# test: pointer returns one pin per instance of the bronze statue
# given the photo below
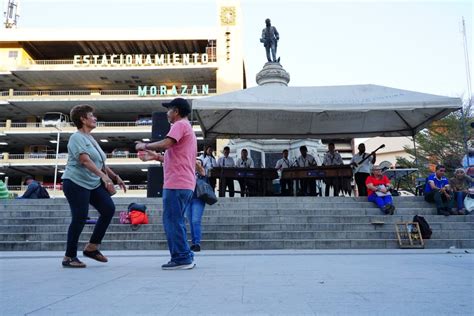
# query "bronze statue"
(270, 39)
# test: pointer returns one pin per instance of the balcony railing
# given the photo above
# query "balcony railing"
(62, 156)
(41, 93)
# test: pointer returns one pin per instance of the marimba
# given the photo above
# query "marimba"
(259, 179)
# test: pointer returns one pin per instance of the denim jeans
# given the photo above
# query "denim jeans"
(381, 201)
(175, 202)
(440, 200)
(79, 199)
(194, 215)
(459, 197)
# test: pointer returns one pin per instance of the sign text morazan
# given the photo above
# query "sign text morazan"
(144, 91)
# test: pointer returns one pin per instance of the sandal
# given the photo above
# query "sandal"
(95, 254)
(73, 263)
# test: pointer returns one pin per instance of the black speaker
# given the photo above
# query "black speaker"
(160, 127)
(155, 182)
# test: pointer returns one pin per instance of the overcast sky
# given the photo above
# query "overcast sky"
(414, 45)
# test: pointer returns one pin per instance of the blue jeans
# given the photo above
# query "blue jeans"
(175, 202)
(459, 197)
(79, 199)
(194, 215)
(381, 201)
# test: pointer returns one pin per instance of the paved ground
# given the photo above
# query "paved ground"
(355, 282)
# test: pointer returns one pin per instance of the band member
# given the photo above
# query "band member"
(332, 158)
(208, 162)
(246, 186)
(226, 162)
(362, 166)
(306, 160)
(286, 185)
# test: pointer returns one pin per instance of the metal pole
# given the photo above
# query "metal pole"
(56, 164)
(468, 81)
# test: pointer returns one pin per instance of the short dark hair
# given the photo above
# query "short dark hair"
(285, 150)
(303, 148)
(440, 167)
(80, 111)
(227, 148)
(331, 144)
(244, 150)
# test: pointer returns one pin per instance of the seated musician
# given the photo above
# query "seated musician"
(306, 160)
(332, 158)
(246, 186)
(226, 162)
(286, 185)
(378, 186)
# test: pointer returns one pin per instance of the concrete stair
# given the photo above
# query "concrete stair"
(241, 223)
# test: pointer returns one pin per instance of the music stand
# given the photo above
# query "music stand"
(399, 174)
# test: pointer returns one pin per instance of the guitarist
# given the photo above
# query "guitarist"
(362, 165)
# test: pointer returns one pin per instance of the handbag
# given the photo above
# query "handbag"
(205, 192)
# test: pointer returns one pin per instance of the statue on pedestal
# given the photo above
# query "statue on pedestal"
(270, 39)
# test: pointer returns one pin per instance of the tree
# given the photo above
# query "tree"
(439, 143)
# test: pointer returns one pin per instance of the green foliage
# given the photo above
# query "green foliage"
(440, 143)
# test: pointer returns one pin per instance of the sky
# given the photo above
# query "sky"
(414, 45)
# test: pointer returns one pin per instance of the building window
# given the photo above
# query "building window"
(13, 54)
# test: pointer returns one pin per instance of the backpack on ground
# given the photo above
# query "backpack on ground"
(424, 226)
(42, 193)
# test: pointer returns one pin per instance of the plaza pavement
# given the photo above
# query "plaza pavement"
(267, 282)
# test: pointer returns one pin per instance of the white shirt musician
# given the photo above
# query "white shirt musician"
(226, 161)
(306, 160)
(285, 185)
(209, 162)
(245, 161)
(226, 183)
(332, 158)
(362, 168)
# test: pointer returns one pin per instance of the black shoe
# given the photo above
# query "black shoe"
(171, 265)
(443, 211)
(392, 209)
(196, 248)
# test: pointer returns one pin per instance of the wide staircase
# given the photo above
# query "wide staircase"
(241, 223)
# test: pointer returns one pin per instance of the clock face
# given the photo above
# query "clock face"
(228, 16)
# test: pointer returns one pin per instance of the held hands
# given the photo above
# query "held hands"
(147, 155)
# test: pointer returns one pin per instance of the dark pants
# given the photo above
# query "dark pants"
(332, 183)
(212, 183)
(441, 201)
(306, 184)
(271, 47)
(224, 184)
(286, 187)
(79, 199)
(360, 178)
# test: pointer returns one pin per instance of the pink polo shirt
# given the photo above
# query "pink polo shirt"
(180, 159)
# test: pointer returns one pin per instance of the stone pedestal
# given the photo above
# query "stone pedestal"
(273, 74)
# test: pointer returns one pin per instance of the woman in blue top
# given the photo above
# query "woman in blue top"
(87, 180)
(194, 212)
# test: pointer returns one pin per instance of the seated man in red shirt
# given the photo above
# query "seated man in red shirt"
(378, 192)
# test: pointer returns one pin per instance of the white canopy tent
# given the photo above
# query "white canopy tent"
(283, 112)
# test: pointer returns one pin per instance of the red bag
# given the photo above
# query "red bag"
(138, 218)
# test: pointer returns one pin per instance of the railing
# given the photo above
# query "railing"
(59, 187)
(41, 93)
(118, 155)
(70, 124)
(4, 93)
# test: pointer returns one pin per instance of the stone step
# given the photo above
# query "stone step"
(241, 244)
(389, 227)
(260, 219)
(223, 235)
(231, 212)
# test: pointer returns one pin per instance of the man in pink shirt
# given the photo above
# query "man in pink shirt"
(179, 179)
